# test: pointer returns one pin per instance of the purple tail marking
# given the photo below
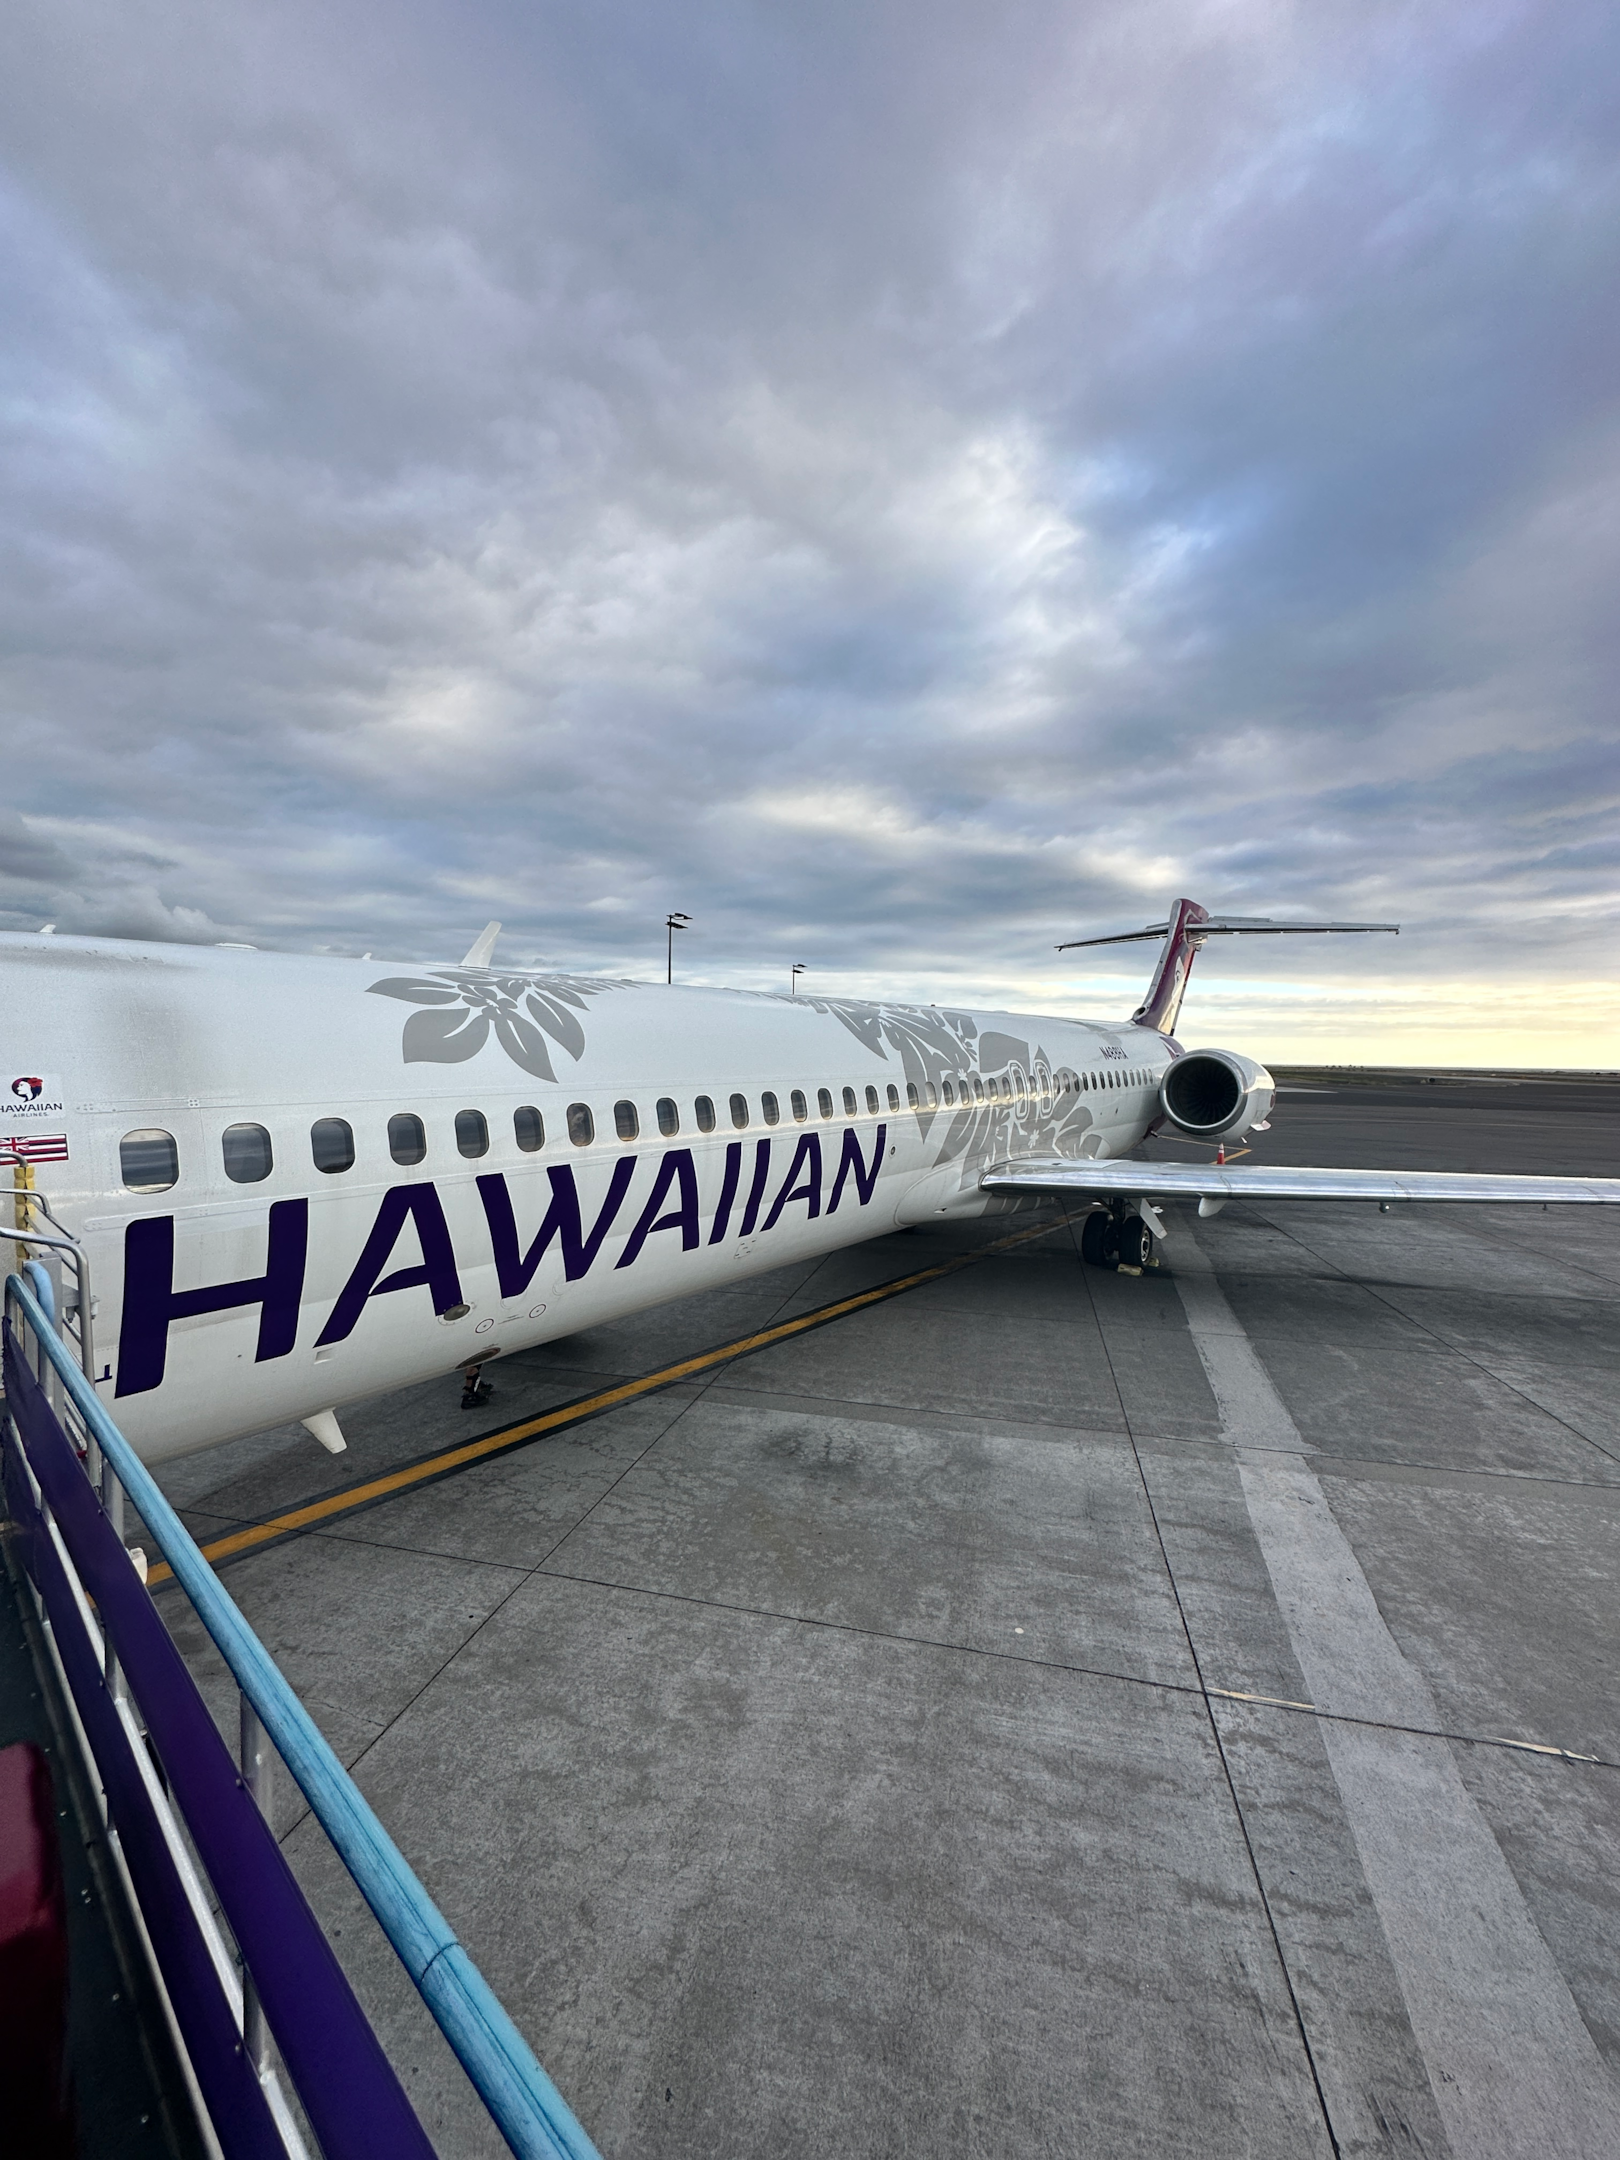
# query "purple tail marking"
(1159, 1009)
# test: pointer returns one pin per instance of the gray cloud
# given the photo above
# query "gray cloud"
(905, 485)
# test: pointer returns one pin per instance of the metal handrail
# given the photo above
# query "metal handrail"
(526, 2106)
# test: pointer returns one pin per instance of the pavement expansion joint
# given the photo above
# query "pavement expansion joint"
(1421, 1732)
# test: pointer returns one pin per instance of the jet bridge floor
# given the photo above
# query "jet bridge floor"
(909, 1737)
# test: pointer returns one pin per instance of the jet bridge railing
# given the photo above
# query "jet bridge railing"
(189, 1820)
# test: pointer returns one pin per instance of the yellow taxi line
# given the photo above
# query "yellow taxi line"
(575, 1413)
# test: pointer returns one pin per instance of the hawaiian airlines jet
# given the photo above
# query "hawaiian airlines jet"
(295, 1182)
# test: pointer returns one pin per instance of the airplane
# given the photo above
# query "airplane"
(299, 1181)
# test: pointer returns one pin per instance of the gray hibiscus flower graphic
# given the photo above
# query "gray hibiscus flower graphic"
(464, 1005)
(937, 1043)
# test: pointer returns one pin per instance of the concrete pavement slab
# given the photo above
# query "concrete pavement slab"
(514, 1509)
(1033, 1544)
(1508, 1601)
(1400, 1406)
(1558, 1825)
(359, 1631)
(1349, 1994)
(759, 1888)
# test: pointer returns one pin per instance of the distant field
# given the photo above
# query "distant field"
(1435, 1075)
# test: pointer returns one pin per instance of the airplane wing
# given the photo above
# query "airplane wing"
(1155, 1181)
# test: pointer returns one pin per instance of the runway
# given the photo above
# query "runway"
(1031, 1711)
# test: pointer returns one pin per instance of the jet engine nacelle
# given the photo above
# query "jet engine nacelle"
(1216, 1094)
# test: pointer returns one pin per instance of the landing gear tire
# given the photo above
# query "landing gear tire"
(1135, 1243)
(1099, 1240)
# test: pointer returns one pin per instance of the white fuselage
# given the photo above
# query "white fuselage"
(303, 1181)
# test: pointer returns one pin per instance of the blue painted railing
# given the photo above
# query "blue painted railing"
(531, 2114)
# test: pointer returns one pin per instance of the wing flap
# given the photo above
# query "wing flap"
(1273, 1181)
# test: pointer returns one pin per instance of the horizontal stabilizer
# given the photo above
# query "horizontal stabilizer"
(1271, 1181)
(1233, 926)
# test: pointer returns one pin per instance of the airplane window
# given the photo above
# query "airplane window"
(529, 1129)
(933, 1096)
(581, 1125)
(626, 1120)
(849, 1102)
(705, 1113)
(472, 1132)
(149, 1160)
(872, 1100)
(669, 1118)
(911, 1096)
(801, 1109)
(1023, 1093)
(824, 1101)
(978, 1091)
(894, 1098)
(770, 1109)
(739, 1111)
(331, 1143)
(247, 1153)
(407, 1141)
(950, 1096)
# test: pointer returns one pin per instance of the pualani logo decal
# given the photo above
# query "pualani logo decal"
(937, 1043)
(152, 1304)
(464, 1005)
(27, 1087)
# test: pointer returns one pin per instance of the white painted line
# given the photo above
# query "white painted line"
(1252, 1412)
(1511, 2064)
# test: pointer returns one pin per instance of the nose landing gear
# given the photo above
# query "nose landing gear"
(1117, 1237)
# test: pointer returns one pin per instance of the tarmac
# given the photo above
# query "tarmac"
(1041, 1712)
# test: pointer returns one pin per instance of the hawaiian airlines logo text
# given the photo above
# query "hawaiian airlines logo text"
(753, 1196)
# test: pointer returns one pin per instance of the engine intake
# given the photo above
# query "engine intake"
(1216, 1094)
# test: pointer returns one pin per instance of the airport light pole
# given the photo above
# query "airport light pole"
(793, 978)
(672, 923)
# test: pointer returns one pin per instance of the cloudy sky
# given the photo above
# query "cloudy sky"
(905, 483)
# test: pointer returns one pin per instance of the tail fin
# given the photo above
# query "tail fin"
(1184, 935)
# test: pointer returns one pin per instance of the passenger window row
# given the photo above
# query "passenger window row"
(149, 1160)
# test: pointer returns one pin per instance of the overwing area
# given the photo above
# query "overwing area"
(1265, 1181)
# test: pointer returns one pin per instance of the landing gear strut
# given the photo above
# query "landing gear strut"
(1117, 1237)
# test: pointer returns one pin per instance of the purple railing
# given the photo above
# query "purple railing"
(344, 2081)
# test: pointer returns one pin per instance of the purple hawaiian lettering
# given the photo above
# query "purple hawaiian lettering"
(728, 1192)
(514, 1267)
(807, 1154)
(677, 1164)
(436, 1273)
(756, 1191)
(850, 1161)
(151, 1301)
